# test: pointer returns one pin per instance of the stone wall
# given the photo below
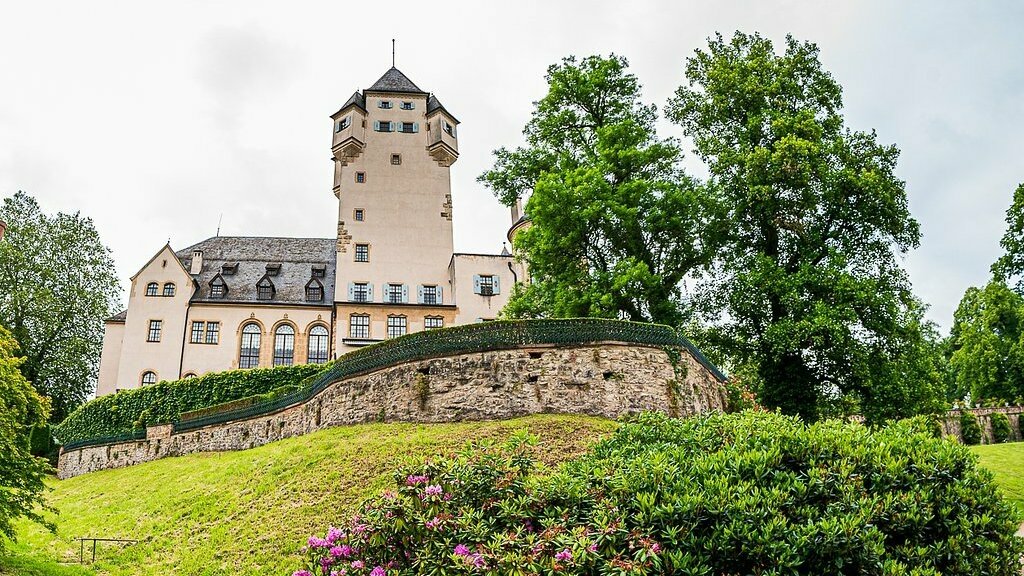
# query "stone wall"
(951, 423)
(604, 379)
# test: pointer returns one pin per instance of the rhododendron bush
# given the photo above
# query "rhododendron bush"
(748, 493)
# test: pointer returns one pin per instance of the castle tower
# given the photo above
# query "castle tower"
(393, 145)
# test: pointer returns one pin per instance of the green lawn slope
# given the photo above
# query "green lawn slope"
(249, 512)
(1006, 461)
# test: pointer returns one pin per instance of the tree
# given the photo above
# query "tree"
(987, 344)
(616, 226)
(21, 408)
(1011, 263)
(57, 284)
(805, 288)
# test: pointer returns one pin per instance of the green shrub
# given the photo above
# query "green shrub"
(121, 413)
(747, 493)
(970, 430)
(1001, 431)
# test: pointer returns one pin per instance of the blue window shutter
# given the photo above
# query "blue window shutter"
(405, 294)
(376, 125)
(497, 284)
(415, 127)
(419, 294)
(351, 291)
(440, 296)
(369, 292)
(476, 283)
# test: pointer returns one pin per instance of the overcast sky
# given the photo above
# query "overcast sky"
(156, 118)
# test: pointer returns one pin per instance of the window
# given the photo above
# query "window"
(212, 332)
(486, 286)
(408, 127)
(152, 288)
(360, 292)
(448, 128)
(385, 104)
(429, 295)
(362, 252)
(407, 106)
(343, 123)
(360, 177)
(265, 289)
(358, 214)
(189, 375)
(396, 326)
(218, 288)
(359, 326)
(396, 159)
(154, 330)
(273, 269)
(197, 332)
(284, 345)
(431, 322)
(249, 353)
(169, 289)
(394, 293)
(148, 378)
(319, 271)
(383, 125)
(314, 293)
(317, 351)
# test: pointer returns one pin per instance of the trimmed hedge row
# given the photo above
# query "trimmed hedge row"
(120, 414)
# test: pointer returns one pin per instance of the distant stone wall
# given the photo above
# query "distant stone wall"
(951, 423)
(603, 379)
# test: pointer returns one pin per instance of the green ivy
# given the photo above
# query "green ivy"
(1000, 427)
(970, 430)
(122, 413)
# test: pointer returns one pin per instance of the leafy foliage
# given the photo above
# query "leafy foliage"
(616, 226)
(987, 344)
(57, 284)
(21, 409)
(1011, 263)
(717, 494)
(1001, 431)
(970, 430)
(806, 286)
(164, 402)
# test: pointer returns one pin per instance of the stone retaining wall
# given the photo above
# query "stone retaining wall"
(604, 379)
(951, 423)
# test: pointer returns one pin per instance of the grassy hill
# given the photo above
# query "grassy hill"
(248, 512)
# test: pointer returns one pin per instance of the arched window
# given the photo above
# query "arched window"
(249, 356)
(189, 375)
(284, 345)
(169, 289)
(317, 345)
(152, 288)
(148, 378)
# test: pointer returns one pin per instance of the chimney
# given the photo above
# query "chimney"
(517, 210)
(197, 262)
(3, 228)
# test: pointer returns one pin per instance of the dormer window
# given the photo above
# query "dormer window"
(229, 268)
(218, 288)
(265, 289)
(152, 289)
(169, 289)
(384, 104)
(319, 271)
(273, 269)
(314, 291)
(407, 106)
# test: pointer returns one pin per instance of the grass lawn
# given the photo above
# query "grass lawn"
(250, 512)
(16, 560)
(1006, 462)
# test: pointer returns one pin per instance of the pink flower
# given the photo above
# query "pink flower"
(461, 550)
(655, 548)
(336, 552)
(433, 490)
(433, 523)
(333, 534)
(377, 571)
(302, 573)
(478, 560)
(316, 542)
(357, 564)
(592, 548)
(564, 555)
(416, 479)
(326, 563)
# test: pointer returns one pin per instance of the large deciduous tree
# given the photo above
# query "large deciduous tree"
(616, 224)
(806, 288)
(21, 474)
(57, 284)
(987, 344)
(1011, 264)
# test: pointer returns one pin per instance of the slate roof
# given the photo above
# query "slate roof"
(357, 99)
(434, 104)
(394, 81)
(119, 317)
(252, 254)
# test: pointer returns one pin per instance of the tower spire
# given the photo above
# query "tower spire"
(392, 52)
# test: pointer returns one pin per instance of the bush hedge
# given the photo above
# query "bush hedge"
(122, 413)
(970, 430)
(1001, 431)
(746, 493)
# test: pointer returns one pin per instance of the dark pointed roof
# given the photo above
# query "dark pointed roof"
(356, 99)
(434, 104)
(394, 81)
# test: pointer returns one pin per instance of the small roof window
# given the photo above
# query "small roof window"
(229, 268)
(273, 268)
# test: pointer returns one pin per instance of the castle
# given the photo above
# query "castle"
(246, 302)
